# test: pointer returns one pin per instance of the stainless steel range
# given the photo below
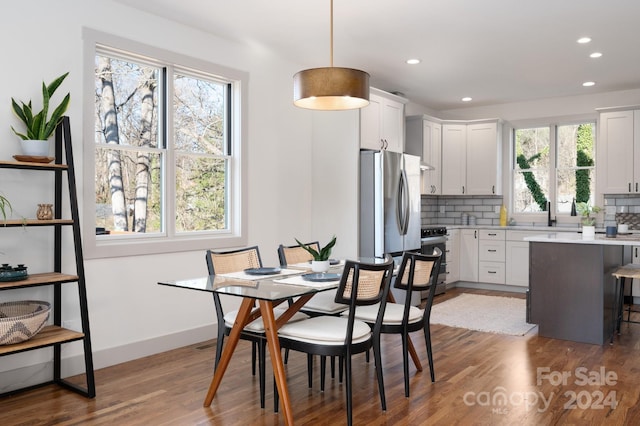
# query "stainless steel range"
(431, 237)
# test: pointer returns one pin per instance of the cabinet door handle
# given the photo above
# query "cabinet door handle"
(463, 189)
(493, 189)
(475, 234)
(492, 272)
(629, 186)
(492, 250)
(493, 235)
(636, 186)
(636, 252)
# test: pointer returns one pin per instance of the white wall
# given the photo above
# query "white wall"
(130, 314)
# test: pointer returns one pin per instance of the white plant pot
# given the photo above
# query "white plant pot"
(588, 232)
(320, 265)
(35, 148)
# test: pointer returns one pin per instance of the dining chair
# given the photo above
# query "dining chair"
(417, 272)
(361, 283)
(322, 303)
(221, 262)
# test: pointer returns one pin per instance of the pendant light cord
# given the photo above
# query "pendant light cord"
(331, 38)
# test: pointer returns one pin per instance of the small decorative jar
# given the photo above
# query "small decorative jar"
(45, 212)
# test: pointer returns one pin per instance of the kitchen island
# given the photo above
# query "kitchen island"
(572, 294)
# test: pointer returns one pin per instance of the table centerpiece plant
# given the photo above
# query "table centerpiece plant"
(320, 262)
(40, 127)
(588, 222)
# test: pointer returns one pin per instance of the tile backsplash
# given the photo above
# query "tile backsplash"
(622, 209)
(448, 210)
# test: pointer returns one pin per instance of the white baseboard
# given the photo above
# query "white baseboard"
(73, 365)
(489, 286)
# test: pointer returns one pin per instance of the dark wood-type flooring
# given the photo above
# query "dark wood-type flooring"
(473, 371)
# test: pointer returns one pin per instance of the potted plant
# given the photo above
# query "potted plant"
(39, 126)
(588, 222)
(320, 262)
(5, 206)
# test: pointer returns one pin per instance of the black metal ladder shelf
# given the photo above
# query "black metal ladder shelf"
(55, 335)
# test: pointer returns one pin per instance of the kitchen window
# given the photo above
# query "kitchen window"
(553, 164)
(164, 155)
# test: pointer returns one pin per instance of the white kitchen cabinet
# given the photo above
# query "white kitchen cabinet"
(618, 152)
(454, 159)
(471, 158)
(382, 122)
(453, 256)
(491, 256)
(517, 256)
(484, 162)
(424, 138)
(469, 255)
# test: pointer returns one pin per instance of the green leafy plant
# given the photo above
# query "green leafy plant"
(586, 210)
(39, 126)
(324, 253)
(5, 206)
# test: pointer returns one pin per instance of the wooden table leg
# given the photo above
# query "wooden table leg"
(234, 337)
(266, 307)
(411, 348)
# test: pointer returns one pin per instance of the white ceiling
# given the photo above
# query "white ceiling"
(495, 51)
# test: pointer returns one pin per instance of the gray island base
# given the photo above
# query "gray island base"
(571, 290)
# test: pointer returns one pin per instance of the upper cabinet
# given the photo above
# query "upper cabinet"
(382, 122)
(618, 152)
(424, 138)
(471, 158)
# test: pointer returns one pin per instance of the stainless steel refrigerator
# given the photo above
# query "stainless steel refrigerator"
(389, 203)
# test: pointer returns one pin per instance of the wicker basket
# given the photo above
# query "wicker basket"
(20, 321)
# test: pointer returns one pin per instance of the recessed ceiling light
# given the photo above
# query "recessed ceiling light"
(466, 99)
(413, 61)
(595, 55)
(589, 83)
(584, 40)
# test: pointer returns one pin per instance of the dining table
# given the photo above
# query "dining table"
(268, 291)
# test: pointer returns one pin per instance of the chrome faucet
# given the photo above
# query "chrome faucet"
(550, 221)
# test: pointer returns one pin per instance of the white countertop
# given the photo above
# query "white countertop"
(600, 239)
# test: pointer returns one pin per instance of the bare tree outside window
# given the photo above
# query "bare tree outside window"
(133, 110)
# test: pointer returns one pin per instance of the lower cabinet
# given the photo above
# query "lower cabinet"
(491, 267)
(517, 262)
(469, 255)
(453, 256)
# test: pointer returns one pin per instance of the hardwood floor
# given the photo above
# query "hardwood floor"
(473, 370)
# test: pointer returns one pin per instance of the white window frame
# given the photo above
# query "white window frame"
(552, 124)
(167, 241)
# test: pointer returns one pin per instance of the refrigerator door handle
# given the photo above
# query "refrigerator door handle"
(403, 203)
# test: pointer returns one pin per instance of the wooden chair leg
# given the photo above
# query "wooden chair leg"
(427, 339)
(253, 357)
(323, 370)
(219, 344)
(262, 349)
(333, 367)
(378, 360)
(347, 364)
(310, 370)
(405, 363)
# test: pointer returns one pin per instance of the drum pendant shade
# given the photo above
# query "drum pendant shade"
(331, 88)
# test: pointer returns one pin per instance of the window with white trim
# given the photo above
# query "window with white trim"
(165, 159)
(553, 164)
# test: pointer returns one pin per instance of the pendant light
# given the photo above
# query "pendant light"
(331, 88)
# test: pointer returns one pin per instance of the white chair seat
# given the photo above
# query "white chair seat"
(324, 303)
(325, 330)
(393, 313)
(257, 326)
